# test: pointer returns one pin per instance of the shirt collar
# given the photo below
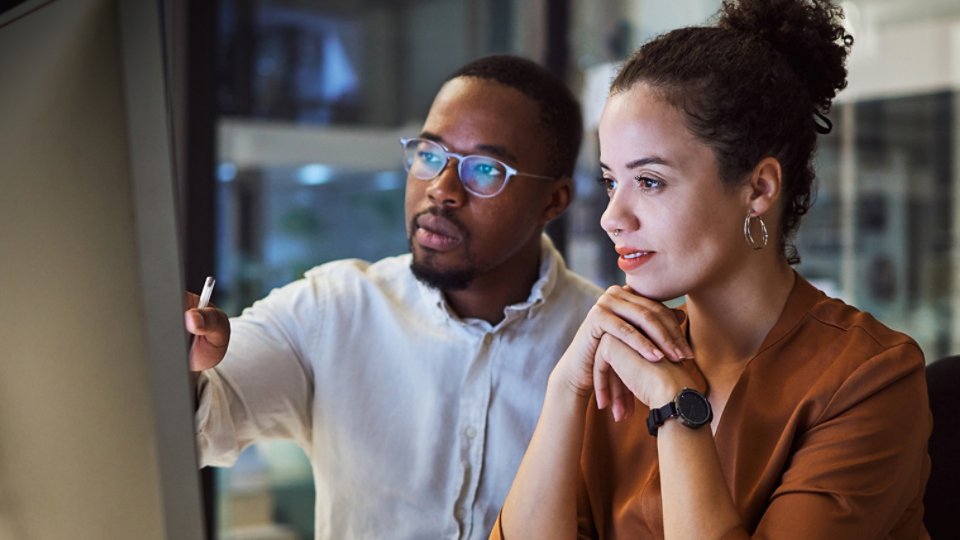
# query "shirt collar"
(801, 299)
(551, 265)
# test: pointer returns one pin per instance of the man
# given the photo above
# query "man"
(414, 383)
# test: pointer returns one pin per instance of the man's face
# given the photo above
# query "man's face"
(456, 237)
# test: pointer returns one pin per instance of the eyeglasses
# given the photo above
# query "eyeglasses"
(480, 175)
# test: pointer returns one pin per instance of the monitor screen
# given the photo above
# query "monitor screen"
(96, 427)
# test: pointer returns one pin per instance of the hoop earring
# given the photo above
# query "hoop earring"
(748, 233)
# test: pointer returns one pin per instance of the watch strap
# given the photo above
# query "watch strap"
(679, 408)
(658, 416)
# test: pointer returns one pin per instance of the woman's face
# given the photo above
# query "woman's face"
(680, 228)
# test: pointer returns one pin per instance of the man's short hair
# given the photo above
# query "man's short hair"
(560, 116)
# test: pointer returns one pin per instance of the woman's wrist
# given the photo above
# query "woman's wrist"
(562, 386)
(667, 393)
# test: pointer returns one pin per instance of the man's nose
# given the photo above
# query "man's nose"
(446, 190)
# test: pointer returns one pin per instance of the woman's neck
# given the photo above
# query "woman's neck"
(729, 320)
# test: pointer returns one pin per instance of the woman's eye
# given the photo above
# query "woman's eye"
(649, 184)
(609, 184)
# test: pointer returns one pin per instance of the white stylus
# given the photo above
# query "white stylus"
(206, 292)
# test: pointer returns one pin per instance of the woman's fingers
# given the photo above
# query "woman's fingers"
(651, 383)
(646, 326)
(657, 325)
(647, 338)
(623, 398)
(601, 383)
(624, 363)
(610, 389)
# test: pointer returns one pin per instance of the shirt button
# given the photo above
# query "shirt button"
(470, 432)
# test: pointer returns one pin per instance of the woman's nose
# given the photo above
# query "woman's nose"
(618, 216)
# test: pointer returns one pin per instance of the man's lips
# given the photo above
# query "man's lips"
(437, 233)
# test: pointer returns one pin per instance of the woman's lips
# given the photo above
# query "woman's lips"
(633, 258)
(437, 233)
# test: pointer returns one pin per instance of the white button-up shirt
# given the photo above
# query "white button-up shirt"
(414, 420)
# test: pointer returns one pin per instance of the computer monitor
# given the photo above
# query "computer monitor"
(96, 419)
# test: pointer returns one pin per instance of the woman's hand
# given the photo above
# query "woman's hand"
(647, 328)
(621, 375)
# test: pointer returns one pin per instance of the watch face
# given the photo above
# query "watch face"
(694, 408)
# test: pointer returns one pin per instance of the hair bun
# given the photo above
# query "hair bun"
(808, 33)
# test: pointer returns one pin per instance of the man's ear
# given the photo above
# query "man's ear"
(558, 199)
(765, 186)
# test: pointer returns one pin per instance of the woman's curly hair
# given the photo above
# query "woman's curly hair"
(759, 83)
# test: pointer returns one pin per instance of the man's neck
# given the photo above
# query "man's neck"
(488, 295)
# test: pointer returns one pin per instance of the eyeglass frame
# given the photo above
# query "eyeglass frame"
(511, 171)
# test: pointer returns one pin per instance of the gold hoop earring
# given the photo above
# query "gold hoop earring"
(748, 233)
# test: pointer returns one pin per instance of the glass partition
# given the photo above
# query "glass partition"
(314, 96)
(880, 233)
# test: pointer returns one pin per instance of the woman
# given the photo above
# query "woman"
(774, 410)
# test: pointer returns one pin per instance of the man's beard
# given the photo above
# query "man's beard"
(444, 280)
(426, 272)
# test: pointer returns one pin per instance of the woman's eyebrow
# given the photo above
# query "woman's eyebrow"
(653, 160)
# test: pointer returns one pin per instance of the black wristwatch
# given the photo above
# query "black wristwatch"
(691, 407)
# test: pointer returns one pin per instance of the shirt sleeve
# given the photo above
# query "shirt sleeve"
(861, 468)
(263, 388)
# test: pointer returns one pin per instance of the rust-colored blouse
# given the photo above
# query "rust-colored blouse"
(824, 436)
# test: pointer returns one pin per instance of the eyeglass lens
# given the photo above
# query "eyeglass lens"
(480, 175)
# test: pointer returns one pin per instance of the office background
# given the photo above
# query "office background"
(295, 108)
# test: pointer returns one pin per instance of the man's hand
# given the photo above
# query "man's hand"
(211, 329)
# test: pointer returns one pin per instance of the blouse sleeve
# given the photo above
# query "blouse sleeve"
(586, 529)
(859, 469)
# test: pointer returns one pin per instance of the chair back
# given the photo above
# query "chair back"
(941, 499)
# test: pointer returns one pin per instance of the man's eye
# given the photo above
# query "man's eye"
(428, 157)
(485, 169)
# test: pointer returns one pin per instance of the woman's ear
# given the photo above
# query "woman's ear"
(764, 187)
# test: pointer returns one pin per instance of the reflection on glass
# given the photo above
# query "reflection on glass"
(344, 69)
(880, 235)
(884, 244)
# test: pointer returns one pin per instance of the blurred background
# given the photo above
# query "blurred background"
(295, 108)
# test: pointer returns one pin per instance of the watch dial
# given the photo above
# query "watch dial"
(694, 407)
